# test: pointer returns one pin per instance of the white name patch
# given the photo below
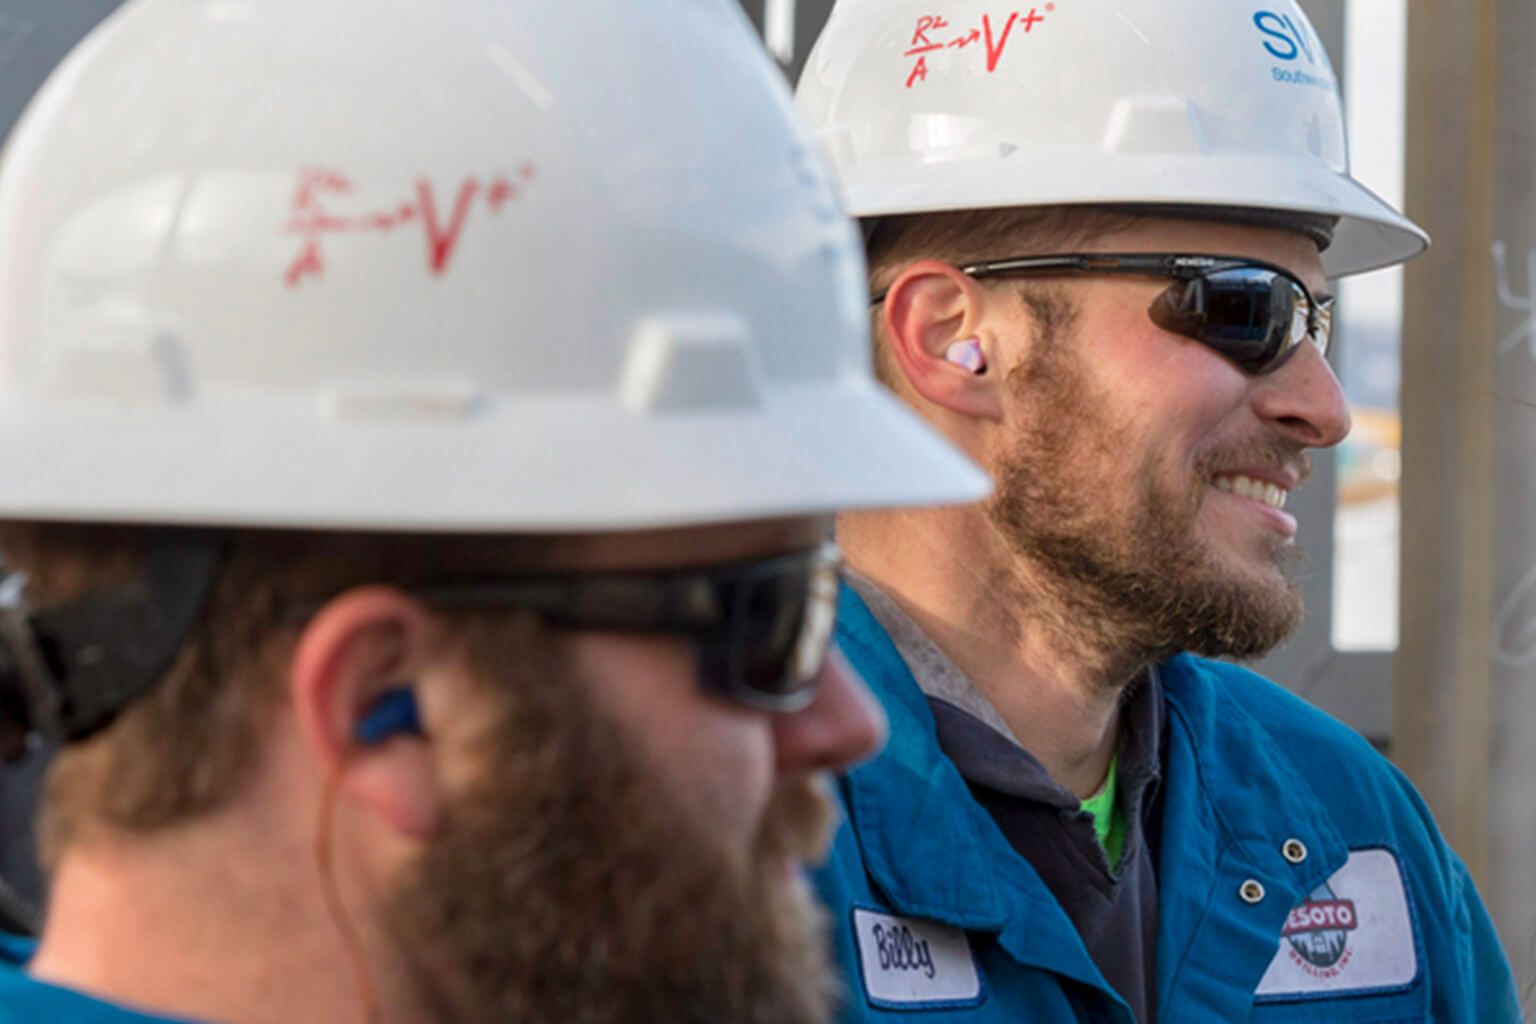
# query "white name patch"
(911, 963)
(1353, 934)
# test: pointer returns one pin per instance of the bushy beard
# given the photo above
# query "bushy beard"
(1129, 581)
(570, 887)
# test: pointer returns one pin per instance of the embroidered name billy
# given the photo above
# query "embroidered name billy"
(900, 950)
(910, 963)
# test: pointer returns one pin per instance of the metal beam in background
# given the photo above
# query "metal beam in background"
(779, 30)
(1446, 485)
(789, 28)
(1466, 710)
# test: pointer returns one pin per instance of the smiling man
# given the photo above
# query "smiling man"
(1100, 236)
(416, 507)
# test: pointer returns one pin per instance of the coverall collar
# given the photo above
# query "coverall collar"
(936, 854)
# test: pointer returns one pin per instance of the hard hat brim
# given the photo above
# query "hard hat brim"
(1370, 234)
(814, 449)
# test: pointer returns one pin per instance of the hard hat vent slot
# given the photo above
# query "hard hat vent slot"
(1154, 124)
(691, 363)
(124, 367)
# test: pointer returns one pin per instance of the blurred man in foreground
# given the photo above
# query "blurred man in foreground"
(417, 492)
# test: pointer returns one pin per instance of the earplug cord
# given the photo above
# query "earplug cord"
(324, 859)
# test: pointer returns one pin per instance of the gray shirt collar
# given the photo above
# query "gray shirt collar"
(1000, 761)
(937, 676)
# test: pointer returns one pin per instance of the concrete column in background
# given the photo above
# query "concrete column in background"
(1465, 722)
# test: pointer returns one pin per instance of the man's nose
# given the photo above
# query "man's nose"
(1304, 400)
(842, 726)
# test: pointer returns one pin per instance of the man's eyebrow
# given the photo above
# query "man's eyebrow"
(1325, 296)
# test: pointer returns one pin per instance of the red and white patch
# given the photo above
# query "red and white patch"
(1353, 934)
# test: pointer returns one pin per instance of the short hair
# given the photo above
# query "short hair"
(969, 236)
(186, 747)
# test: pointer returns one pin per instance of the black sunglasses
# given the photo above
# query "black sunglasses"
(761, 629)
(1254, 313)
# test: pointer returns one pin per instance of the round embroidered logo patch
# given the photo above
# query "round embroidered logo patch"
(1319, 930)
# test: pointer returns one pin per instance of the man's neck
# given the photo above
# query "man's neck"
(1056, 680)
(222, 922)
(152, 928)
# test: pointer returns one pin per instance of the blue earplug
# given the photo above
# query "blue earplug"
(392, 714)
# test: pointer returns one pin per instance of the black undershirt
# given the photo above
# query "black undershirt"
(1114, 910)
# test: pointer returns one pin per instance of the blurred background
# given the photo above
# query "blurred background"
(1421, 529)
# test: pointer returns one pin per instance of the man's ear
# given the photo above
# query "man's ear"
(362, 646)
(931, 319)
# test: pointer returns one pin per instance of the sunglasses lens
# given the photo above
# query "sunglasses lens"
(775, 634)
(1251, 316)
(1248, 314)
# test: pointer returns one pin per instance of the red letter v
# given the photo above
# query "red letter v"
(443, 242)
(995, 53)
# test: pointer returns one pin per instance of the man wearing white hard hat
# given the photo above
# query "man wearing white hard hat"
(416, 492)
(1100, 237)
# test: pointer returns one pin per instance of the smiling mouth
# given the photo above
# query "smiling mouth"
(1255, 490)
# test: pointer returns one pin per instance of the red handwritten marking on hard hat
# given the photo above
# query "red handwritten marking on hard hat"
(928, 23)
(310, 261)
(314, 220)
(442, 239)
(995, 35)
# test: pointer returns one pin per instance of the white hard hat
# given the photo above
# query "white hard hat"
(413, 265)
(932, 105)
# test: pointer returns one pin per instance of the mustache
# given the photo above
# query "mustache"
(1255, 452)
(799, 821)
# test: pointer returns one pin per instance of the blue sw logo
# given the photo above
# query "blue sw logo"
(1285, 39)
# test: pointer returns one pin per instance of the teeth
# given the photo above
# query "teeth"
(1255, 490)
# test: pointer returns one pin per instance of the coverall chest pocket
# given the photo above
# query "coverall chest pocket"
(1350, 951)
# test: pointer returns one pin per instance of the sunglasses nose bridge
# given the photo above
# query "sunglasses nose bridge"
(1321, 325)
(1310, 320)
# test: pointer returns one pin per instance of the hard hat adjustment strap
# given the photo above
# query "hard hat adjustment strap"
(32, 701)
(69, 670)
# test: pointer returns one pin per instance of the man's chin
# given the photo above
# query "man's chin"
(1246, 618)
(1268, 581)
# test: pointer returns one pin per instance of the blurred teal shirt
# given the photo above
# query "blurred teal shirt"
(25, 1000)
